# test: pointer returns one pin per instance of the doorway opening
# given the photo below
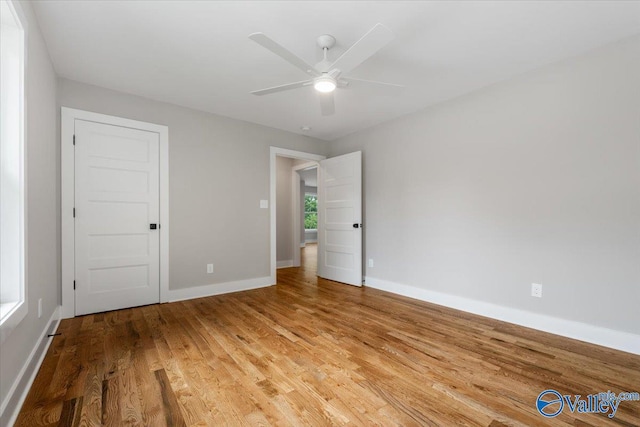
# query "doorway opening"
(287, 208)
(339, 214)
(296, 210)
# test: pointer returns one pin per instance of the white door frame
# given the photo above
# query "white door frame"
(295, 196)
(273, 153)
(67, 190)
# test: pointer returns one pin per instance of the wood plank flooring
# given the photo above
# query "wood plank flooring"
(314, 352)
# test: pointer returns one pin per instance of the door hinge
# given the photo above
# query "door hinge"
(74, 212)
(74, 140)
(74, 285)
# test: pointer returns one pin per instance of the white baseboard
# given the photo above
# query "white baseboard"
(219, 288)
(618, 340)
(284, 264)
(18, 392)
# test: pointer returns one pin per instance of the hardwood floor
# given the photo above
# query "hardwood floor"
(315, 352)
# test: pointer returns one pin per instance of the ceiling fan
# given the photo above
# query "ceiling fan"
(327, 75)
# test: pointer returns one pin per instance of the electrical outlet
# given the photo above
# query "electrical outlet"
(371, 262)
(209, 268)
(536, 290)
(39, 308)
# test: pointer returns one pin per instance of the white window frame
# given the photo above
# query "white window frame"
(15, 311)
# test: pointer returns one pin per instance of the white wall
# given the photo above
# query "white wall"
(43, 219)
(218, 173)
(532, 180)
(284, 212)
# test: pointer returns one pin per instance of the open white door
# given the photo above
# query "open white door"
(340, 219)
(116, 217)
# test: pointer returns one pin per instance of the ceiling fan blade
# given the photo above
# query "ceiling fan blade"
(283, 53)
(327, 104)
(351, 82)
(282, 88)
(370, 43)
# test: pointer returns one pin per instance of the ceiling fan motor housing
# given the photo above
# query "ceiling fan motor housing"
(326, 41)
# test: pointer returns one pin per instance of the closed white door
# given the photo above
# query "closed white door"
(117, 262)
(340, 219)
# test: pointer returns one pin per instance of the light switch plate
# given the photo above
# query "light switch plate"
(264, 204)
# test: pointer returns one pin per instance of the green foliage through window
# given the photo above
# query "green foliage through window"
(310, 212)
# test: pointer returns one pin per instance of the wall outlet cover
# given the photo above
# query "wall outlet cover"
(536, 290)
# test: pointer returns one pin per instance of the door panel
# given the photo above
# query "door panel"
(116, 198)
(339, 208)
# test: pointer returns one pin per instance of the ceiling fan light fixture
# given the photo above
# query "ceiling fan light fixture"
(325, 84)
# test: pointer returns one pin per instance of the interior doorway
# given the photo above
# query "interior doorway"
(114, 212)
(339, 213)
(287, 212)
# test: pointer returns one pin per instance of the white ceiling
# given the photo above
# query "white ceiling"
(197, 53)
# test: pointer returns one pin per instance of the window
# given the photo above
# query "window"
(310, 211)
(12, 237)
